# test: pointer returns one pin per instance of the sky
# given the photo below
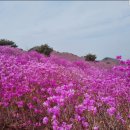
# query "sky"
(78, 27)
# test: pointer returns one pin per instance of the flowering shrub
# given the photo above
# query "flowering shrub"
(38, 92)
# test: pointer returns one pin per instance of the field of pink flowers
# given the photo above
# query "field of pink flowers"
(51, 93)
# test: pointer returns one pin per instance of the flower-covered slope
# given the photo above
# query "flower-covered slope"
(42, 93)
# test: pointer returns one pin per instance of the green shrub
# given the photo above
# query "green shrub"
(44, 49)
(5, 42)
(90, 57)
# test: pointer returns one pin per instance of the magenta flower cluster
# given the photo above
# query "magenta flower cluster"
(38, 92)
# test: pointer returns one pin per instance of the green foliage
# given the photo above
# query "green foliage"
(44, 49)
(4, 42)
(90, 57)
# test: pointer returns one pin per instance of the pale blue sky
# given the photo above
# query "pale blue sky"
(79, 27)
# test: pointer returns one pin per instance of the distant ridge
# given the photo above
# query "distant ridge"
(109, 60)
(66, 55)
(73, 57)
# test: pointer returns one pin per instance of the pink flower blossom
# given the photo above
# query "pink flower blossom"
(45, 120)
(118, 57)
(20, 104)
(111, 111)
(95, 128)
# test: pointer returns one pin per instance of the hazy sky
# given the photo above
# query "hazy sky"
(98, 27)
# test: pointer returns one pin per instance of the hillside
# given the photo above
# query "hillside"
(53, 93)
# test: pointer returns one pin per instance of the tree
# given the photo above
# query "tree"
(44, 49)
(4, 42)
(90, 57)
